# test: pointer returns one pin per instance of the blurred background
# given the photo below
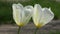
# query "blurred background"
(6, 9)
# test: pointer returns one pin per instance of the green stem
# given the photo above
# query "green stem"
(36, 30)
(19, 30)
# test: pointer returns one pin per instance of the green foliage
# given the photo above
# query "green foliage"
(57, 32)
(6, 8)
(55, 6)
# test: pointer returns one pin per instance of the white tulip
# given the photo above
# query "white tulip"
(21, 14)
(42, 16)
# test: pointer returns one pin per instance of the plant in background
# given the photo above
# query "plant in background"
(21, 15)
(41, 16)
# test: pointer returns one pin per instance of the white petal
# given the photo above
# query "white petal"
(37, 14)
(28, 13)
(42, 16)
(47, 16)
(28, 9)
(17, 12)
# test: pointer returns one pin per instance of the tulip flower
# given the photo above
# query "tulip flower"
(21, 15)
(41, 16)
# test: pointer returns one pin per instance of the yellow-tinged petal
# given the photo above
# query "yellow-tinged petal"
(38, 25)
(20, 24)
(42, 16)
(17, 8)
(21, 14)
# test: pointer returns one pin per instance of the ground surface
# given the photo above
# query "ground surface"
(53, 26)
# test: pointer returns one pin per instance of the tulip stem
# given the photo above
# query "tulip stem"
(19, 30)
(36, 30)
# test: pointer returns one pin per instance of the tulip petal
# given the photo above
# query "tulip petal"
(47, 16)
(37, 14)
(42, 16)
(28, 13)
(17, 13)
